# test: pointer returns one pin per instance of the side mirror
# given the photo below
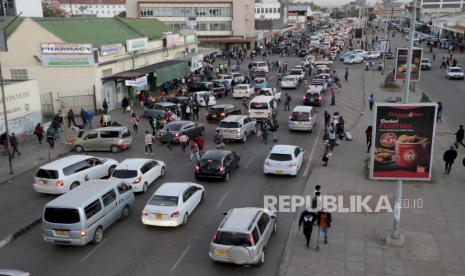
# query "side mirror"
(104, 160)
(225, 213)
(273, 217)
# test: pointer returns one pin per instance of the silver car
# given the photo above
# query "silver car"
(237, 127)
(112, 139)
(243, 236)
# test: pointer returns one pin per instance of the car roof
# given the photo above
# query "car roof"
(179, 122)
(290, 76)
(172, 188)
(301, 108)
(132, 163)
(283, 149)
(239, 219)
(112, 128)
(215, 154)
(243, 85)
(233, 118)
(84, 193)
(262, 98)
(65, 161)
(456, 67)
(222, 105)
(165, 104)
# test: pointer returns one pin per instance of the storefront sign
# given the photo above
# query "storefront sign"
(173, 39)
(383, 46)
(66, 48)
(196, 62)
(137, 44)
(401, 64)
(111, 49)
(139, 82)
(68, 60)
(403, 141)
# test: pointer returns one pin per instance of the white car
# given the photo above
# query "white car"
(290, 82)
(318, 85)
(455, 73)
(353, 59)
(225, 77)
(199, 97)
(243, 91)
(372, 55)
(284, 160)
(297, 72)
(140, 173)
(425, 64)
(271, 92)
(309, 60)
(238, 77)
(172, 204)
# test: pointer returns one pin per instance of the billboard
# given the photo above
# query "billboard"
(173, 39)
(111, 49)
(196, 62)
(66, 48)
(137, 44)
(358, 33)
(383, 46)
(67, 60)
(401, 64)
(403, 141)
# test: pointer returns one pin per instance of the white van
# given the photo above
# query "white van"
(81, 215)
(260, 64)
(67, 173)
(302, 118)
(262, 108)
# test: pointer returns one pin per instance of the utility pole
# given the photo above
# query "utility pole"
(5, 117)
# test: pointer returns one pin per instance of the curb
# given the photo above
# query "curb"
(4, 242)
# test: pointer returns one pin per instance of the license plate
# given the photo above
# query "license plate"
(279, 172)
(214, 116)
(228, 131)
(158, 216)
(259, 113)
(61, 233)
(220, 252)
(45, 182)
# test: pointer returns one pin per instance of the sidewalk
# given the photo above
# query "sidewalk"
(434, 234)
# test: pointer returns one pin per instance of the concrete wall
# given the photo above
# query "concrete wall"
(244, 18)
(29, 8)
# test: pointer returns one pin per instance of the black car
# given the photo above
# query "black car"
(178, 128)
(217, 164)
(179, 99)
(217, 112)
(159, 109)
(214, 87)
(313, 98)
(389, 55)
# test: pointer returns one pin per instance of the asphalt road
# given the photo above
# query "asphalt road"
(130, 248)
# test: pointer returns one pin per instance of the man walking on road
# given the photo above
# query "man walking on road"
(449, 158)
(14, 145)
(327, 119)
(51, 137)
(307, 219)
(459, 135)
(439, 115)
(324, 222)
(346, 75)
(371, 101)
(148, 142)
(287, 103)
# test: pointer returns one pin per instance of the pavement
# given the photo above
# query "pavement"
(434, 234)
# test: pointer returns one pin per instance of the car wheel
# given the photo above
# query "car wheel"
(244, 139)
(184, 219)
(254, 131)
(275, 227)
(226, 177)
(98, 236)
(262, 258)
(74, 185)
(145, 187)
(162, 172)
(110, 170)
(202, 198)
(125, 213)
(78, 149)
(114, 149)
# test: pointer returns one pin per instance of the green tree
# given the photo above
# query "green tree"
(49, 11)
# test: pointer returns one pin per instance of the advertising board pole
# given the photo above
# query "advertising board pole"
(397, 205)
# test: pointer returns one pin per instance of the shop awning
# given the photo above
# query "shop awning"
(166, 71)
(455, 29)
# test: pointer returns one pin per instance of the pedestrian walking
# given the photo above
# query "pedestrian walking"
(195, 152)
(195, 112)
(70, 117)
(168, 138)
(125, 104)
(443, 62)
(51, 137)
(134, 121)
(273, 126)
(245, 104)
(105, 106)
(333, 95)
(89, 118)
(459, 135)
(188, 112)
(307, 219)
(449, 158)
(324, 223)
(346, 75)
(199, 140)
(14, 145)
(287, 102)
(218, 139)
(332, 139)
(327, 119)
(82, 114)
(368, 135)
(439, 114)
(326, 154)
(148, 142)
(183, 141)
(39, 132)
(371, 101)
(264, 133)
(206, 99)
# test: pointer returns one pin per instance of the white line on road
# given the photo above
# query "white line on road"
(317, 138)
(91, 252)
(180, 258)
(248, 163)
(222, 199)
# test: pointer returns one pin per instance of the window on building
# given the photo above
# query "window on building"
(19, 74)
(279, 10)
(257, 10)
(266, 10)
(274, 10)
(262, 10)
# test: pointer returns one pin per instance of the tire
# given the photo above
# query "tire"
(110, 170)
(275, 227)
(226, 177)
(162, 172)
(244, 139)
(202, 198)
(114, 149)
(74, 185)
(145, 187)
(254, 131)
(262, 258)
(98, 236)
(125, 213)
(78, 149)
(185, 218)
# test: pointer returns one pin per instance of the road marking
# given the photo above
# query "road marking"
(307, 168)
(92, 252)
(248, 163)
(222, 199)
(5, 241)
(180, 258)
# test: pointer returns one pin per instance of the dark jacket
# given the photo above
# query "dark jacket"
(460, 134)
(329, 218)
(450, 155)
(307, 218)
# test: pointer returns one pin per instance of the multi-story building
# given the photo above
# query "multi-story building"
(27, 8)
(217, 23)
(267, 9)
(435, 8)
(97, 8)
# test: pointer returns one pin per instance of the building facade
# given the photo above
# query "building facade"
(268, 10)
(97, 8)
(27, 8)
(217, 23)
(436, 8)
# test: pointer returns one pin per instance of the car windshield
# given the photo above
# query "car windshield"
(259, 80)
(124, 174)
(173, 127)
(456, 70)
(161, 200)
(295, 72)
(280, 157)
(289, 79)
(299, 116)
(232, 238)
(124, 133)
(49, 174)
(258, 105)
(61, 215)
(216, 109)
(210, 163)
(228, 124)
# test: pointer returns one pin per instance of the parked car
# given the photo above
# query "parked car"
(217, 112)
(454, 73)
(353, 59)
(243, 91)
(217, 164)
(289, 82)
(284, 159)
(112, 139)
(139, 173)
(243, 235)
(159, 109)
(82, 215)
(177, 128)
(425, 64)
(67, 173)
(199, 98)
(172, 204)
(303, 118)
(237, 127)
(372, 55)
